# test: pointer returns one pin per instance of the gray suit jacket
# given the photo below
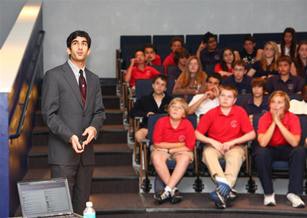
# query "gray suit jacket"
(64, 114)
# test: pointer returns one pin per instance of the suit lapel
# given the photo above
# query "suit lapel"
(71, 80)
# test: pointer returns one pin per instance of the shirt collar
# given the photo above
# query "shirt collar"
(230, 112)
(76, 69)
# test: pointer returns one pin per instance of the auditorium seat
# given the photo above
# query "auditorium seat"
(147, 168)
(300, 36)
(234, 41)
(192, 43)
(262, 38)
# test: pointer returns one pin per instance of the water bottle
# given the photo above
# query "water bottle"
(89, 211)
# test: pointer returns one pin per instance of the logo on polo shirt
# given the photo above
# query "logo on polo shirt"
(234, 124)
(181, 138)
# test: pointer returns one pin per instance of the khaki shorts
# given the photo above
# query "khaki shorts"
(172, 156)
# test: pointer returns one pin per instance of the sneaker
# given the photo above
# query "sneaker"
(233, 194)
(269, 200)
(296, 201)
(162, 196)
(175, 196)
(218, 200)
(223, 189)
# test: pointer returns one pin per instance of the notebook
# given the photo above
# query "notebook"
(46, 198)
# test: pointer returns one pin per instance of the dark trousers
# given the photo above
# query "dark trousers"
(79, 180)
(296, 159)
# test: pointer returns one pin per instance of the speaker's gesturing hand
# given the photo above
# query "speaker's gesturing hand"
(91, 133)
(78, 148)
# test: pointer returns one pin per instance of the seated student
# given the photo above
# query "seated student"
(192, 80)
(175, 44)
(299, 107)
(155, 103)
(208, 52)
(285, 81)
(279, 134)
(225, 67)
(258, 102)
(139, 70)
(180, 57)
(288, 45)
(239, 79)
(267, 65)
(202, 103)
(151, 56)
(249, 53)
(224, 130)
(301, 61)
(173, 138)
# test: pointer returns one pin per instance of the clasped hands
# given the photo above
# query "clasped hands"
(79, 146)
(223, 147)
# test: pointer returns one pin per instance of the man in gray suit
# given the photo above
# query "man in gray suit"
(73, 111)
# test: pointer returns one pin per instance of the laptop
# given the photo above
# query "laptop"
(46, 198)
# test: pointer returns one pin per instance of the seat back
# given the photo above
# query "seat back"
(234, 41)
(192, 43)
(301, 36)
(143, 87)
(162, 44)
(262, 38)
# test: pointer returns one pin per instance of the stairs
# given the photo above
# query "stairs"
(113, 174)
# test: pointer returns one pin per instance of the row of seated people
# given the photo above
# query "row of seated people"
(192, 80)
(259, 62)
(224, 127)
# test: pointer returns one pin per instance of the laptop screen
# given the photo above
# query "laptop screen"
(45, 198)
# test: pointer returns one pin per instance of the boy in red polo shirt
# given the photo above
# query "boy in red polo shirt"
(151, 56)
(279, 134)
(224, 130)
(176, 44)
(173, 138)
(139, 70)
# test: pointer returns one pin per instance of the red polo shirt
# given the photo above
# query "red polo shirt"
(148, 73)
(156, 61)
(218, 68)
(168, 61)
(222, 127)
(290, 121)
(164, 132)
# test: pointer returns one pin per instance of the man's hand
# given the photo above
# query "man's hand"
(91, 132)
(228, 145)
(218, 146)
(74, 140)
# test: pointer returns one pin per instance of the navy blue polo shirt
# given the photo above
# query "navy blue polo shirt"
(209, 60)
(251, 108)
(292, 86)
(243, 87)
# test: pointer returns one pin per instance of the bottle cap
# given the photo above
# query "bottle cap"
(89, 204)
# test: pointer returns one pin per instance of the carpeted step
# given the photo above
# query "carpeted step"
(192, 205)
(109, 89)
(106, 179)
(111, 101)
(105, 155)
